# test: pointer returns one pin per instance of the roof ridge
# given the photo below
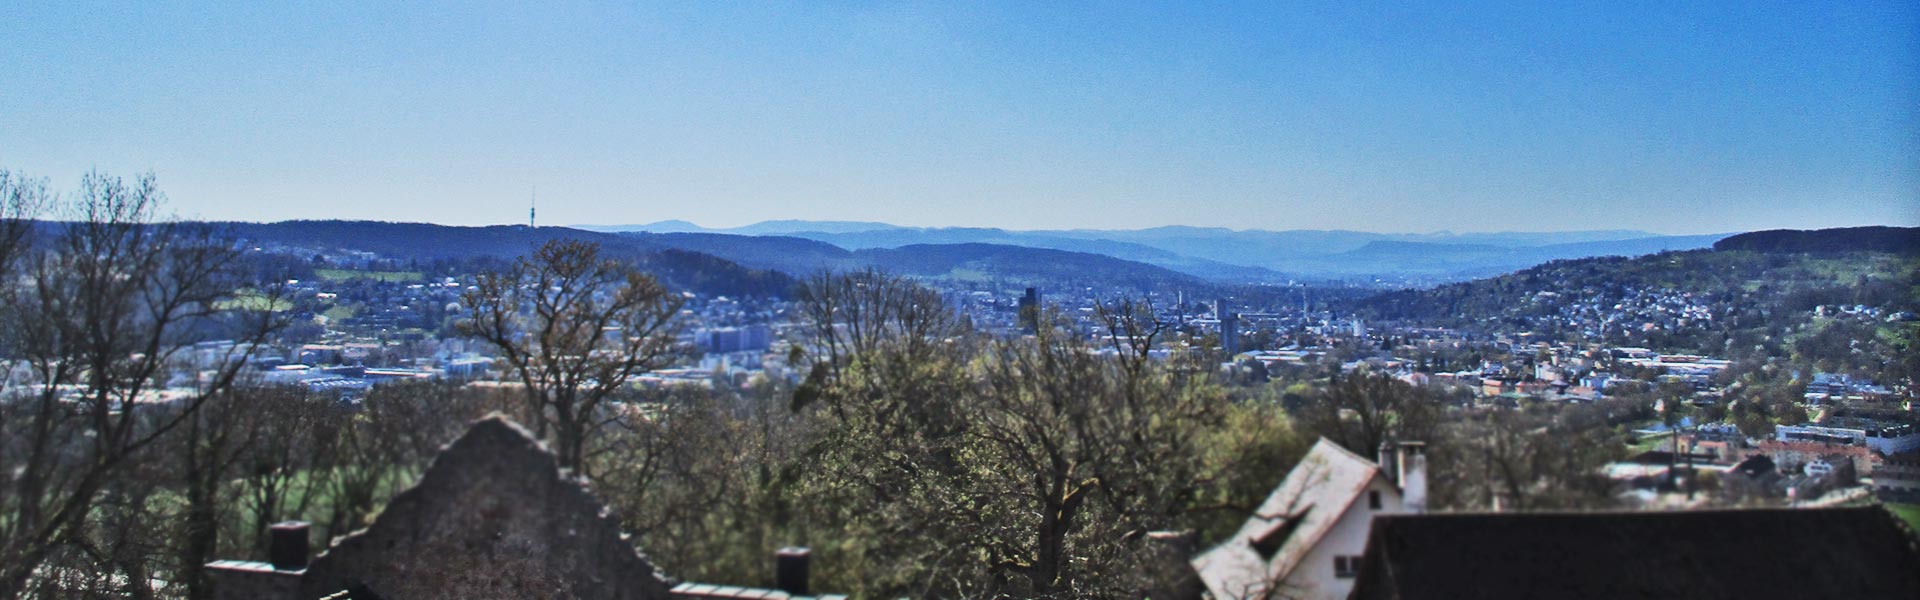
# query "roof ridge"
(1343, 450)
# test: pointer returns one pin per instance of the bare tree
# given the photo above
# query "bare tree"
(1530, 458)
(21, 199)
(1359, 411)
(210, 452)
(1023, 467)
(882, 319)
(296, 438)
(108, 329)
(574, 327)
(720, 507)
(887, 391)
(392, 436)
(1132, 331)
(1085, 453)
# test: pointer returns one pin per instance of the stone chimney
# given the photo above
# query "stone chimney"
(287, 545)
(1410, 466)
(1385, 457)
(790, 570)
(277, 579)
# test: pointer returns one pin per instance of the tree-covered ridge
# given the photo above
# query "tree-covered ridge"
(1032, 266)
(417, 243)
(962, 261)
(1898, 240)
(1830, 312)
(791, 255)
(715, 264)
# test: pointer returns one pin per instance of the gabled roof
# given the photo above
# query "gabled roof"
(1859, 552)
(494, 517)
(1288, 524)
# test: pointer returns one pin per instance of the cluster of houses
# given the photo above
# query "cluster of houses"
(1566, 373)
(1837, 459)
(1830, 460)
(355, 330)
(1606, 310)
(1831, 388)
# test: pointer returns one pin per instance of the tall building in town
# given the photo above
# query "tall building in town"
(1229, 327)
(1030, 310)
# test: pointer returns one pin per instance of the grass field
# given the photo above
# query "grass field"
(388, 276)
(251, 300)
(1907, 512)
(338, 312)
(1650, 443)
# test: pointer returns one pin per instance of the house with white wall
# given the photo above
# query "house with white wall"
(1306, 540)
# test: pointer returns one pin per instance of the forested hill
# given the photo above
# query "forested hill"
(791, 255)
(1585, 284)
(425, 242)
(713, 263)
(1849, 310)
(1017, 265)
(1896, 240)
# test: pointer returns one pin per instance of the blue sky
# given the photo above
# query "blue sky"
(1665, 116)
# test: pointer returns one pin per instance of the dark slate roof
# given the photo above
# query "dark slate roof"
(1859, 552)
(494, 517)
(1757, 465)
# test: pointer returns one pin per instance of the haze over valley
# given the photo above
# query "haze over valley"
(1231, 255)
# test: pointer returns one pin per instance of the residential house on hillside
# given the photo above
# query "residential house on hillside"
(1898, 479)
(1755, 477)
(1885, 436)
(1306, 539)
(1794, 456)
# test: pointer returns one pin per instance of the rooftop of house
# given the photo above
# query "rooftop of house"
(1292, 520)
(494, 517)
(1856, 552)
(494, 513)
(1755, 466)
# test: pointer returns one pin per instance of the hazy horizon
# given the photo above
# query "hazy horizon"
(1671, 119)
(1166, 226)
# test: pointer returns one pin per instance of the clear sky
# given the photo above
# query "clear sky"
(1665, 116)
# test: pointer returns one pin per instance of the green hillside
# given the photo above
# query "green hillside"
(1846, 311)
(685, 269)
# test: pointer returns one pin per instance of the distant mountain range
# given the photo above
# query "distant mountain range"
(776, 227)
(962, 261)
(1227, 255)
(770, 263)
(717, 263)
